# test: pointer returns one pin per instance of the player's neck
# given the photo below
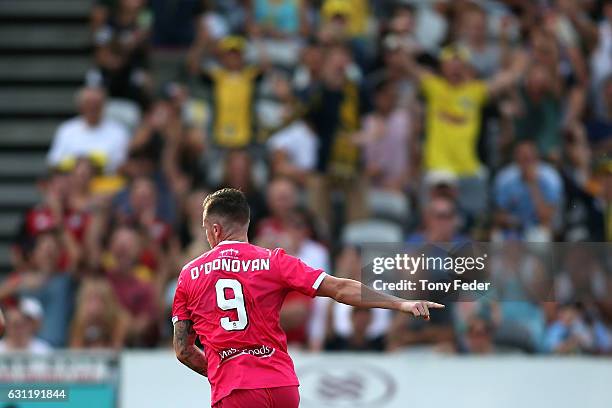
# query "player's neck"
(235, 238)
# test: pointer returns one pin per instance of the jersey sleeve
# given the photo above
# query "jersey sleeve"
(296, 275)
(179, 306)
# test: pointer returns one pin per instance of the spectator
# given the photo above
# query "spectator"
(401, 30)
(528, 194)
(346, 22)
(521, 283)
(137, 296)
(582, 214)
(388, 143)
(80, 193)
(142, 211)
(282, 199)
(337, 20)
(90, 134)
(122, 51)
(46, 283)
(137, 206)
(159, 243)
(351, 329)
(478, 337)
(233, 87)
(485, 56)
(446, 185)
(333, 108)
(440, 225)
(54, 214)
(539, 116)
(357, 12)
(301, 316)
(454, 103)
(170, 142)
(294, 152)
(569, 333)
(599, 127)
(359, 340)
(99, 13)
(601, 37)
(309, 68)
(274, 26)
(399, 40)
(22, 323)
(239, 173)
(440, 222)
(582, 276)
(99, 320)
(565, 68)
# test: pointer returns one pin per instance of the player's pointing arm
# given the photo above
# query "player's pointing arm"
(354, 293)
(314, 282)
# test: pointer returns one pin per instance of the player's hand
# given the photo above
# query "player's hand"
(419, 307)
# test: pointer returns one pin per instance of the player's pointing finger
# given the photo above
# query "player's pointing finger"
(426, 311)
(421, 308)
(435, 305)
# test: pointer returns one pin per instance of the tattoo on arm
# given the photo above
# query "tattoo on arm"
(186, 350)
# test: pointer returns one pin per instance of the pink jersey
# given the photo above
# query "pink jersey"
(233, 295)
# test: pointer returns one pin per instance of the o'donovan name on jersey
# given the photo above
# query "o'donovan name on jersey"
(231, 265)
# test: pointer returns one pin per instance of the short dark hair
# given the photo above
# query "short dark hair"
(228, 203)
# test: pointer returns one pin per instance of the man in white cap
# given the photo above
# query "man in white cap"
(22, 322)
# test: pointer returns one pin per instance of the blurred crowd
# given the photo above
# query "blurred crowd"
(344, 122)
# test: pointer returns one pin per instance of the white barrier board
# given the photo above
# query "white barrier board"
(157, 380)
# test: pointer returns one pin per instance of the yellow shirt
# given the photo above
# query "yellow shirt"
(345, 154)
(359, 15)
(453, 124)
(233, 95)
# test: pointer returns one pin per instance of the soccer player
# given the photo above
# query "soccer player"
(231, 296)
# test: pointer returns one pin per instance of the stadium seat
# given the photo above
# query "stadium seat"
(28, 134)
(389, 205)
(9, 224)
(45, 8)
(22, 165)
(371, 231)
(32, 100)
(18, 195)
(5, 257)
(45, 69)
(54, 36)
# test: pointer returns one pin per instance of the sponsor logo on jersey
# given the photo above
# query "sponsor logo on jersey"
(259, 350)
(229, 253)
